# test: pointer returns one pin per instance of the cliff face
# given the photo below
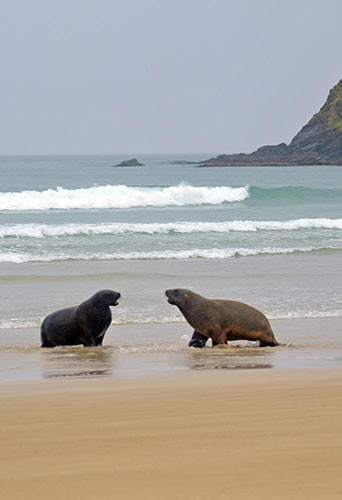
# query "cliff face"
(319, 142)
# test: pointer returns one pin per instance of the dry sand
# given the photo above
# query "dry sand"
(198, 435)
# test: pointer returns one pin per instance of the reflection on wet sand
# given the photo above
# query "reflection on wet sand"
(230, 358)
(136, 351)
(77, 362)
(230, 366)
(63, 362)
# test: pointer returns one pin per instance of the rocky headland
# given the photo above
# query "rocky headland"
(129, 163)
(319, 142)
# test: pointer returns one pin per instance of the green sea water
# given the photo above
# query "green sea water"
(69, 226)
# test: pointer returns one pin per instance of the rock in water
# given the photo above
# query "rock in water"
(130, 163)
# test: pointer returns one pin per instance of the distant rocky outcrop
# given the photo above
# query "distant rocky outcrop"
(319, 142)
(184, 162)
(130, 163)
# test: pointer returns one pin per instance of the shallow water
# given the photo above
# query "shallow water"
(139, 350)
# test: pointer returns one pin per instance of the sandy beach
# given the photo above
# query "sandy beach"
(150, 147)
(189, 435)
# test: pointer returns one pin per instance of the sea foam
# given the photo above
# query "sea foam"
(120, 196)
(45, 230)
(196, 253)
(156, 317)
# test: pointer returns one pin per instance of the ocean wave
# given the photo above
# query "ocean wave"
(45, 230)
(120, 196)
(159, 318)
(305, 314)
(294, 193)
(19, 323)
(119, 319)
(197, 253)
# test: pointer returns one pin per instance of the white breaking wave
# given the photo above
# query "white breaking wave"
(128, 319)
(20, 323)
(197, 253)
(158, 318)
(44, 230)
(120, 196)
(306, 314)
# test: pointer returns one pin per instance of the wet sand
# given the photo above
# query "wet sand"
(132, 351)
(244, 434)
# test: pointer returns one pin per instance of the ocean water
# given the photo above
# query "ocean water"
(69, 226)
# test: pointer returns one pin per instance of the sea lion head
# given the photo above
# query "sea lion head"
(178, 296)
(106, 298)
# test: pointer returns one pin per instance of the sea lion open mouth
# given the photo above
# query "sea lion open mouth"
(170, 301)
(116, 300)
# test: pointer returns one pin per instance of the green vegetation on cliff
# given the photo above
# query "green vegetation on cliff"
(332, 108)
(319, 142)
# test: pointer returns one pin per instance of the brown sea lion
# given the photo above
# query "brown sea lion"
(84, 324)
(221, 320)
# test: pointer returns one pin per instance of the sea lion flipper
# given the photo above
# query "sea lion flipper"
(89, 343)
(87, 338)
(45, 341)
(270, 343)
(198, 340)
(218, 337)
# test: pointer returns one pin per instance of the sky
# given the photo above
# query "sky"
(166, 76)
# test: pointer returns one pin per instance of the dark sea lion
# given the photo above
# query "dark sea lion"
(84, 324)
(221, 320)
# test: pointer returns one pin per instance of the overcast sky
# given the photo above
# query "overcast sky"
(163, 76)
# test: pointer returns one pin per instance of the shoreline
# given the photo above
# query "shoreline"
(136, 350)
(189, 435)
